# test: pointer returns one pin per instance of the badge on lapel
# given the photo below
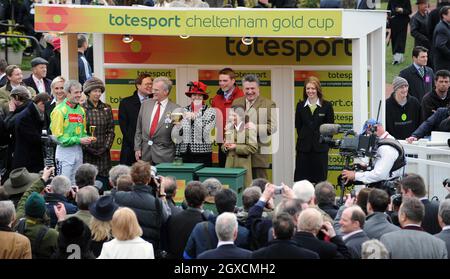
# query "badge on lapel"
(168, 119)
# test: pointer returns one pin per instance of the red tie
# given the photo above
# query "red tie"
(155, 120)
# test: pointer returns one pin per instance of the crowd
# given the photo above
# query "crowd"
(59, 188)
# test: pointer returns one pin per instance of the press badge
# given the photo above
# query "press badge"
(150, 142)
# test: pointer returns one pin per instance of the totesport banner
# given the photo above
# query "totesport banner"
(227, 50)
(194, 22)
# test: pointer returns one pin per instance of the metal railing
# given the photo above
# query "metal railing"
(37, 46)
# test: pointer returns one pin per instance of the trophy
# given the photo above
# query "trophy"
(176, 117)
(92, 131)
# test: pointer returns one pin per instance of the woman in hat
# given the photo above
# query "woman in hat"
(195, 128)
(100, 125)
(102, 212)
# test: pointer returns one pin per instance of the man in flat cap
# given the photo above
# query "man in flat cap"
(37, 79)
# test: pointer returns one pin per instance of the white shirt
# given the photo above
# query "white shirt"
(344, 237)
(307, 103)
(142, 97)
(384, 160)
(39, 84)
(161, 110)
(220, 243)
(446, 228)
(86, 67)
(136, 248)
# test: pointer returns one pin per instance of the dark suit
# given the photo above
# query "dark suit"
(3, 81)
(355, 242)
(441, 46)
(335, 249)
(227, 251)
(419, 30)
(430, 222)
(398, 22)
(162, 149)
(82, 75)
(128, 115)
(47, 83)
(445, 236)
(418, 86)
(312, 157)
(284, 249)
(28, 147)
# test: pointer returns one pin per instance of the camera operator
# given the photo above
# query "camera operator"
(388, 164)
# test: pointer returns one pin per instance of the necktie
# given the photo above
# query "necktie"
(421, 72)
(155, 120)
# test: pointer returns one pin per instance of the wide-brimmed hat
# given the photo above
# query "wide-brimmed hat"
(197, 87)
(104, 208)
(19, 180)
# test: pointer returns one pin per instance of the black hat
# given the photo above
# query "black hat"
(418, 2)
(38, 61)
(104, 208)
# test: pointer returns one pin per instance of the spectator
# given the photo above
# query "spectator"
(398, 21)
(226, 229)
(124, 183)
(377, 222)
(85, 197)
(169, 183)
(47, 52)
(128, 115)
(102, 212)
(374, 249)
(193, 133)
(418, 24)
(54, 62)
(58, 192)
(85, 176)
(412, 242)
(180, 226)
(413, 186)
(19, 181)
(304, 191)
(441, 41)
(213, 186)
(352, 224)
(362, 197)
(439, 97)
(420, 78)
(3, 78)
(38, 79)
(151, 211)
(114, 173)
(28, 151)
(309, 224)
(326, 198)
(84, 69)
(127, 243)
(250, 197)
(69, 131)
(434, 17)
(100, 120)
(74, 232)
(283, 247)
(34, 226)
(444, 222)
(225, 96)
(14, 245)
(15, 78)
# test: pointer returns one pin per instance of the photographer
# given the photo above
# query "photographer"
(389, 159)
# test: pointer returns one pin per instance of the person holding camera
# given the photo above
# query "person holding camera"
(312, 156)
(389, 160)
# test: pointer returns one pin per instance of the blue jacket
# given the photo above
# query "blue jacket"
(432, 123)
(52, 199)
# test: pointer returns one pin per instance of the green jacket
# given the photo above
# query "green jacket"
(68, 123)
(5, 93)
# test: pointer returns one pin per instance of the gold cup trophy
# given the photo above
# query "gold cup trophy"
(92, 131)
(176, 117)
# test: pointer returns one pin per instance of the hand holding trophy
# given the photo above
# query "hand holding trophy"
(176, 117)
(92, 131)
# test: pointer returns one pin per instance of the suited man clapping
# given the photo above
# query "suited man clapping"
(153, 142)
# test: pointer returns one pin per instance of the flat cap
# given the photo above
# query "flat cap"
(38, 61)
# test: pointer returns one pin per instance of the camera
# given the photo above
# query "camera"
(397, 200)
(154, 174)
(48, 149)
(278, 189)
(446, 182)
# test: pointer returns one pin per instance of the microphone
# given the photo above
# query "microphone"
(330, 129)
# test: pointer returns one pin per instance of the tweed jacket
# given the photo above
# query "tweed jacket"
(98, 153)
(196, 134)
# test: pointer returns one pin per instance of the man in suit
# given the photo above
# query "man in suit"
(444, 222)
(377, 222)
(84, 69)
(226, 231)
(441, 41)
(420, 77)
(3, 78)
(352, 222)
(263, 119)
(414, 186)
(153, 141)
(412, 242)
(283, 247)
(37, 80)
(310, 223)
(128, 115)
